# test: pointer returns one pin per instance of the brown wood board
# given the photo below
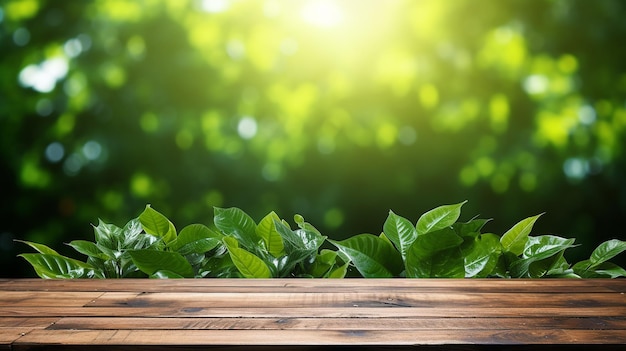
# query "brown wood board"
(230, 313)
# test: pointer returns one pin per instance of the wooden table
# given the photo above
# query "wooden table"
(312, 313)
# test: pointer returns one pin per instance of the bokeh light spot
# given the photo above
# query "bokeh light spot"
(55, 152)
(468, 176)
(43, 77)
(500, 183)
(333, 218)
(44, 107)
(92, 150)
(184, 139)
(214, 198)
(536, 84)
(499, 111)
(21, 37)
(407, 135)
(215, 6)
(247, 127)
(575, 168)
(429, 96)
(141, 185)
(31, 175)
(20, 10)
(149, 122)
(271, 172)
(567, 64)
(485, 166)
(586, 115)
(112, 200)
(73, 164)
(114, 75)
(73, 47)
(322, 13)
(528, 181)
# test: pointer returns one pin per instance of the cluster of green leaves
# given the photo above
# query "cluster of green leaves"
(437, 246)
(149, 246)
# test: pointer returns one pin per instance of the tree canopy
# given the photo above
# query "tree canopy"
(338, 110)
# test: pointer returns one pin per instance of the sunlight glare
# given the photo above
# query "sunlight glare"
(322, 13)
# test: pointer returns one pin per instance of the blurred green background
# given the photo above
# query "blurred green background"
(336, 110)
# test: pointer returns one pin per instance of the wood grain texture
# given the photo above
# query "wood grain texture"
(430, 314)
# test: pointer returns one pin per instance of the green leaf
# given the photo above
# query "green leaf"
(471, 228)
(540, 254)
(603, 270)
(196, 239)
(133, 236)
(372, 256)
(445, 264)
(249, 265)
(266, 230)
(544, 246)
(51, 266)
(400, 231)
(310, 236)
(285, 265)
(305, 238)
(426, 257)
(609, 269)
(108, 236)
(339, 272)
(165, 274)
(606, 251)
(514, 240)
(235, 222)
(541, 268)
(154, 223)
(431, 243)
(323, 263)
(41, 248)
(482, 256)
(560, 268)
(151, 261)
(439, 218)
(88, 248)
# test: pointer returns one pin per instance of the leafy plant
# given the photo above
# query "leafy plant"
(438, 245)
(147, 246)
(272, 249)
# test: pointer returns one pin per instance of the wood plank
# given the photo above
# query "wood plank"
(322, 312)
(320, 337)
(44, 298)
(120, 323)
(36, 322)
(314, 285)
(357, 299)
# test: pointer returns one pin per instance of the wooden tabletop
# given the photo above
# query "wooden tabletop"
(312, 313)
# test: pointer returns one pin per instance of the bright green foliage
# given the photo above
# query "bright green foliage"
(249, 265)
(439, 246)
(271, 238)
(515, 238)
(156, 224)
(439, 218)
(372, 256)
(161, 263)
(273, 249)
(400, 232)
(436, 247)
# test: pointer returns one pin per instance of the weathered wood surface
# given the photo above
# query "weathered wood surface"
(312, 313)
